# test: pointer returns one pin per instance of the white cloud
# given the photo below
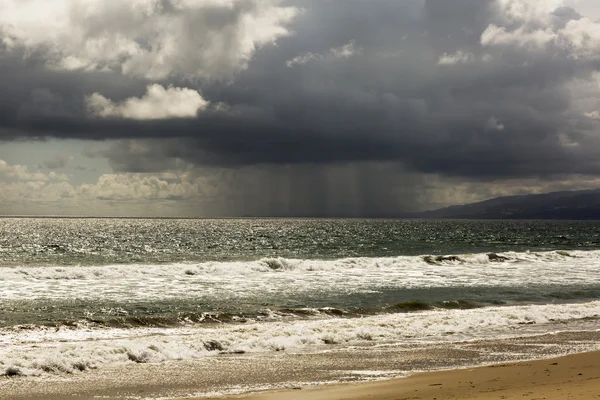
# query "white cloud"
(500, 36)
(593, 115)
(157, 103)
(210, 39)
(345, 51)
(582, 37)
(110, 194)
(566, 140)
(526, 10)
(22, 173)
(24, 195)
(303, 59)
(532, 24)
(459, 57)
(138, 187)
(492, 124)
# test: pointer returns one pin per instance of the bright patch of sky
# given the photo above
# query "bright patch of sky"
(34, 154)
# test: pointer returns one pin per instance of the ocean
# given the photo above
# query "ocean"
(305, 301)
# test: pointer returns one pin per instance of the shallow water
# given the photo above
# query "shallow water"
(234, 374)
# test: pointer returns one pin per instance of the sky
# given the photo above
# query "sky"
(341, 108)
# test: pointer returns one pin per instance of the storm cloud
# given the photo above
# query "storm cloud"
(374, 92)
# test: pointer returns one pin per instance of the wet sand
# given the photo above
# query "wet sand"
(571, 377)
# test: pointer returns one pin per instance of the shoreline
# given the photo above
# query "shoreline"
(340, 374)
(575, 376)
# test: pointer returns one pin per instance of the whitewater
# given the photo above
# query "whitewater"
(229, 280)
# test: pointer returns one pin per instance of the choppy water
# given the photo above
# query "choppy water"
(79, 294)
(65, 241)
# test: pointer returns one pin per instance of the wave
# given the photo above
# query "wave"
(178, 319)
(294, 278)
(413, 306)
(68, 350)
(278, 264)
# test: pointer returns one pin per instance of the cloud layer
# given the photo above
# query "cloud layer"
(155, 40)
(402, 93)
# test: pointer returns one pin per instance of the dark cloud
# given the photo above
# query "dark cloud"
(392, 102)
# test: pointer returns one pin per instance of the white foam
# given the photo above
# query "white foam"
(40, 351)
(238, 280)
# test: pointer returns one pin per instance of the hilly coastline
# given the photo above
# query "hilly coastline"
(582, 205)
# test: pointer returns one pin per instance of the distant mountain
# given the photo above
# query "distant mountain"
(582, 204)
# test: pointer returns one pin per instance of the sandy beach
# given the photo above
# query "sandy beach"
(571, 377)
(574, 377)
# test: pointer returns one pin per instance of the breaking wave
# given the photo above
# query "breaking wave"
(278, 264)
(235, 280)
(68, 350)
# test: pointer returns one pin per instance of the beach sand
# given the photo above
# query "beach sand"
(571, 377)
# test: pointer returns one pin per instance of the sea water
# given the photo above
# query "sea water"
(82, 295)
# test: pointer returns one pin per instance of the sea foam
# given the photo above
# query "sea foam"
(40, 351)
(239, 280)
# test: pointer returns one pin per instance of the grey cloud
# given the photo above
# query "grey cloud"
(60, 161)
(392, 103)
(565, 14)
